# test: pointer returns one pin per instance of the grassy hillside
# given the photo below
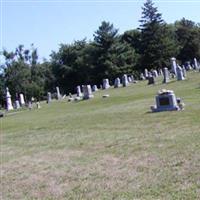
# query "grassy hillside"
(111, 148)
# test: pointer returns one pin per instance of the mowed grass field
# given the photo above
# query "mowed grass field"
(105, 148)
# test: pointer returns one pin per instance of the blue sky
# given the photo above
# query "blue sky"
(47, 23)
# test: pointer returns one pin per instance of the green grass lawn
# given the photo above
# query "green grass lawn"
(105, 148)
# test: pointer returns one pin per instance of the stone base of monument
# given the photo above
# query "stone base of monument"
(166, 101)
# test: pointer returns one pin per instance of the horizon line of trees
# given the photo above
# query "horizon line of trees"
(108, 55)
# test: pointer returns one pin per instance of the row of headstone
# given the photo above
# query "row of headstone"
(18, 103)
(87, 90)
(149, 74)
(180, 74)
(195, 65)
(187, 65)
(58, 95)
(117, 82)
(176, 70)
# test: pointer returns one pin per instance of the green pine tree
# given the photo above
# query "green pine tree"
(157, 42)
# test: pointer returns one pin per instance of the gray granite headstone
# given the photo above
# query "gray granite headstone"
(125, 80)
(106, 84)
(166, 101)
(151, 80)
(49, 97)
(94, 88)
(9, 105)
(173, 65)
(87, 92)
(165, 75)
(180, 76)
(117, 83)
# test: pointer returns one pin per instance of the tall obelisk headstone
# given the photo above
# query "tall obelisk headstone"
(9, 105)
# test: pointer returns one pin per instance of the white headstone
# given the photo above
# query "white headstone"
(180, 76)
(58, 93)
(146, 73)
(166, 75)
(125, 80)
(106, 84)
(117, 83)
(21, 99)
(87, 92)
(173, 65)
(78, 90)
(9, 105)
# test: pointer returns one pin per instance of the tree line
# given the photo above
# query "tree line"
(108, 55)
